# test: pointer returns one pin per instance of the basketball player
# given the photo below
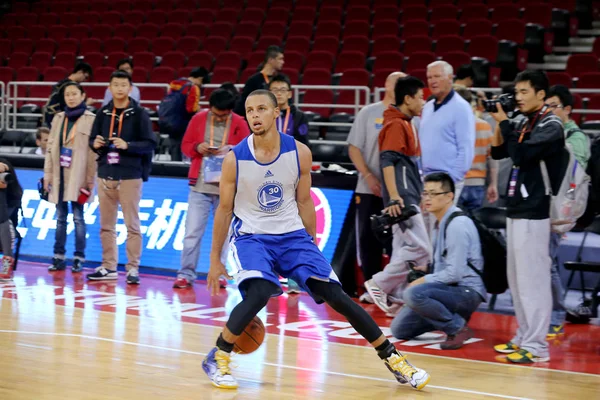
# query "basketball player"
(265, 189)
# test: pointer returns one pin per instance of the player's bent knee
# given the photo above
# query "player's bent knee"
(330, 292)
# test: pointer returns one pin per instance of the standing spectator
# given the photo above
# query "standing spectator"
(56, 102)
(209, 137)
(291, 121)
(475, 191)
(363, 149)
(272, 65)
(465, 76)
(399, 151)
(126, 65)
(122, 137)
(10, 201)
(445, 299)
(178, 107)
(560, 101)
(447, 129)
(41, 141)
(540, 137)
(69, 171)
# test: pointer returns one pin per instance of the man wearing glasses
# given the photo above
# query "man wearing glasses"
(444, 299)
(209, 136)
(291, 121)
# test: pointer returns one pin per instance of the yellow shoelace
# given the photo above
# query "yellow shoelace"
(223, 360)
(399, 363)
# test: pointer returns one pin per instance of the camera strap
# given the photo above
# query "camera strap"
(543, 111)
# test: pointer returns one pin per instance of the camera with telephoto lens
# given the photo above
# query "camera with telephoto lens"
(507, 102)
(6, 177)
(381, 225)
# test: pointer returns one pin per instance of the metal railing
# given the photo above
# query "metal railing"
(11, 99)
(3, 106)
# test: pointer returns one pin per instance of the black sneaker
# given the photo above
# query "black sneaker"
(58, 264)
(133, 277)
(103, 274)
(77, 266)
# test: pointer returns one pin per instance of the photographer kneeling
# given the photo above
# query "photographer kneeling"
(10, 201)
(445, 299)
(399, 150)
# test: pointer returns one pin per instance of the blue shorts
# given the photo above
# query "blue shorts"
(291, 255)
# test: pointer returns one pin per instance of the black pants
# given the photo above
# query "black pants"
(368, 249)
(175, 149)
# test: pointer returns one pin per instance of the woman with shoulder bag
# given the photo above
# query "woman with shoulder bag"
(10, 201)
(69, 173)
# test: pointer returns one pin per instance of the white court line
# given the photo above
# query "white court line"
(278, 336)
(150, 346)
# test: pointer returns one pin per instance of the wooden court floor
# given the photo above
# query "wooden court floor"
(62, 338)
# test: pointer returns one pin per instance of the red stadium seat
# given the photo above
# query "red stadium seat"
(389, 60)
(349, 60)
(278, 14)
(172, 30)
(7, 74)
(414, 44)
(24, 45)
(300, 44)
(55, 74)
(96, 60)
(589, 80)
(111, 18)
(134, 17)
(200, 59)
(180, 16)
(103, 74)
(456, 58)
(328, 28)
(157, 17)
(484, 47)
(442, 12)
(580, 63)
(415, 28)
(445, 27)
(114, 44)
(385, 44)
(242, 45)
(512, 29)
(140, 74)
(357, 28)
(19, 60)
(472, 12)
(414, 12)
(420, 60)
(114, 57)
(144, 59)
(102, 32)
(162, 75)
(330, 13)
(215, 44)
(221, 29)
(148, 31)
(90, 45)
(253, 15)
(560, 78)
(187, 44)
(173, 59)
(329, 44)
(503, 12)
(138, 44)
(294, 60)
(304, 14)
(447, 44)
(538, 14)
(228, 59)
(41, 60)
(64, 60)
(247, 29)
(386, 13)
(162, 45)
(356, 43)
(124, 31)
(476, 28)
(320, 59)
(300, 28)
(266, 41)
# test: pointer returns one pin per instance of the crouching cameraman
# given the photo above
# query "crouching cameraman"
(445, 299)
(10, 201)
(399, 149)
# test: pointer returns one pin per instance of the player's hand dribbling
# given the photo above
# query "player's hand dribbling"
(216, 270)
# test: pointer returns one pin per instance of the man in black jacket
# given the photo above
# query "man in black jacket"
(291, 121)
(122, 137)
(539, 137)
(272, 65)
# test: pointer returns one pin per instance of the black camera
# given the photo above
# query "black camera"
(506, 101)
(381, 225)
(6, 177)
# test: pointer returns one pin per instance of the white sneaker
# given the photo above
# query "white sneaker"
(366, 298)
(103, 274)
(216, 366)
(379, 296)
(405, 372)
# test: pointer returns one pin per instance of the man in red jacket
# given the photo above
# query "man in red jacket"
(209, 136)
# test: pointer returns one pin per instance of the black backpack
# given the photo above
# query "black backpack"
(173, 117)
(593, 170)
(493, 248)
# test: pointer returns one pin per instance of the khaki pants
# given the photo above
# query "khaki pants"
(127, 193)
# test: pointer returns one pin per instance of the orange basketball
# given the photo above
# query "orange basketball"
(251, 338)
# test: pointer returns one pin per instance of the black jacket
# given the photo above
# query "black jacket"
(545, 142)
(300, 125)
(255, 82)
(135, 162)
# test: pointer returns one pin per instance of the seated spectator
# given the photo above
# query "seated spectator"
(475, 191)
(41, 141)
(56, 102)
(126, 65)
(445, 299)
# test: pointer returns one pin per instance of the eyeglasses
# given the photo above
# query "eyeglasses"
(555, 106)
(432, 195)
(283, 91)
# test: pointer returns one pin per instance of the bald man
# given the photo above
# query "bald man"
(364, 153)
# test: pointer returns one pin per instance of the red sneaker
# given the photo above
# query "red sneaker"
(6, 268)
(181, 283)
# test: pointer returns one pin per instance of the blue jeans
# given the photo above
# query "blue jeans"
(471, 197)
(434, 307)
(559, 313)
(60, 237)
(199, 207)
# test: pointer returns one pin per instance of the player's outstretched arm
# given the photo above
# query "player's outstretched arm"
(306, 206)
(227, 188)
